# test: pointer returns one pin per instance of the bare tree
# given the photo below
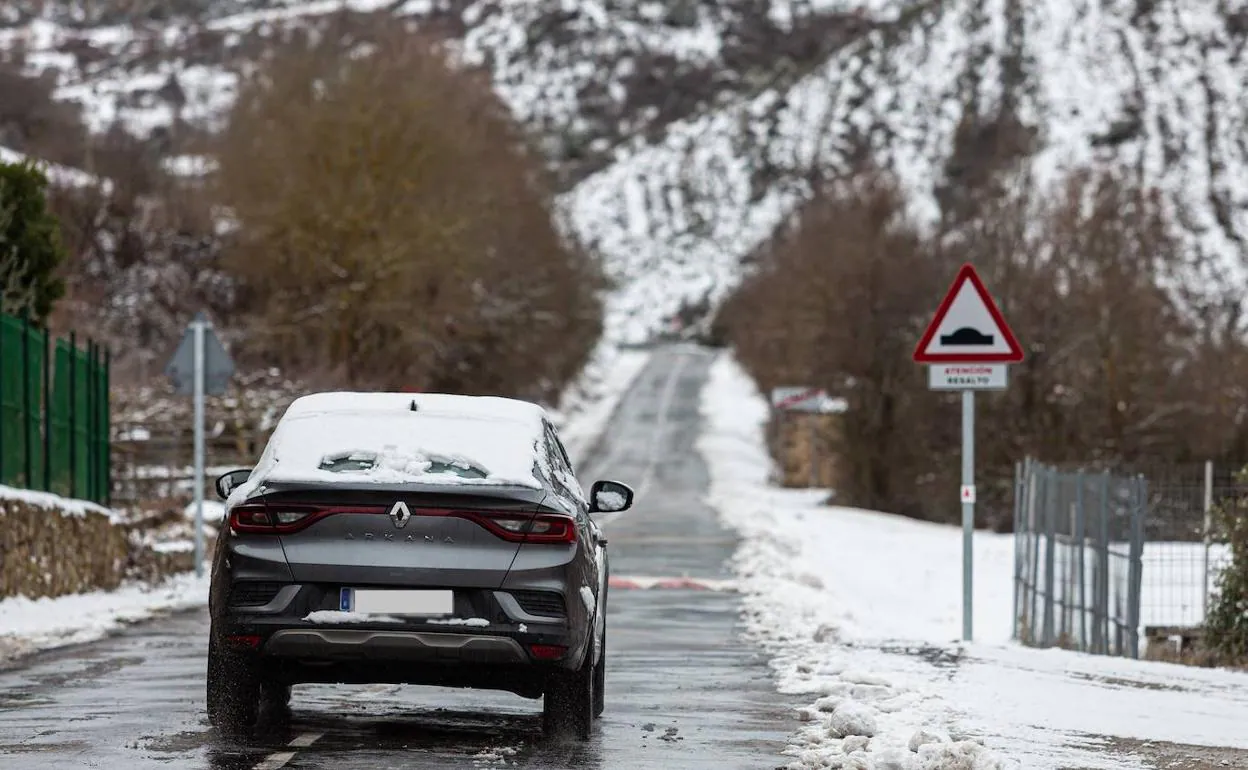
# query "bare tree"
(394, 230)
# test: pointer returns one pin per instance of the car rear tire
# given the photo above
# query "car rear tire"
(568, 707)
(233, 691)
(600, 680)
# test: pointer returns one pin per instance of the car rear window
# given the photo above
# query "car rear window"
(357, 462)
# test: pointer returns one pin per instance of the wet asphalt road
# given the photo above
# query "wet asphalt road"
(683, 690)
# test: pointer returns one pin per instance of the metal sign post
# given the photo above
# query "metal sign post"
(968, 511)
(197, 334)
(967, 347)
(199, 366)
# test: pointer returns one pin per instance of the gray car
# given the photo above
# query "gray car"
(415, 539)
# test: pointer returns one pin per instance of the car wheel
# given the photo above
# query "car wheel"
(600, 671)
(233, 691)
(600, 680)
(568, 707)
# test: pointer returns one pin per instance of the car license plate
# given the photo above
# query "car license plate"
(395, 602)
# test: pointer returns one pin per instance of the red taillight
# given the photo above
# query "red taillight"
(513, 526)
(251, 518)
(283, 518)
(243, 640)
(547, 651)
(525, 527)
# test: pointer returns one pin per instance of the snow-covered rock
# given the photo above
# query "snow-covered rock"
(925, 736)
(852, 718)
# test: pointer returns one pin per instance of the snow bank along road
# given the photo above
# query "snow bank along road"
(860, 611)
(683, 690)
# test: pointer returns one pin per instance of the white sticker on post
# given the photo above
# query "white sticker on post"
(968, 493)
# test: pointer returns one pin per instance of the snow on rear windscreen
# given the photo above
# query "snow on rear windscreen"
(376, 438)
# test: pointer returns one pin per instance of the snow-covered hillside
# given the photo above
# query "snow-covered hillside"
(1162, 91)
(686, 130)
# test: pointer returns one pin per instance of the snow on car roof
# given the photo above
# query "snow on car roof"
(379, 438)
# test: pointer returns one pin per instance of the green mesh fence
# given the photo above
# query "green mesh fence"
(54, 419)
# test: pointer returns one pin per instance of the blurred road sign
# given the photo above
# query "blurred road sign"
(803, 399)
(968, 328)
(199, 366)
(218, 367)
(967, 376)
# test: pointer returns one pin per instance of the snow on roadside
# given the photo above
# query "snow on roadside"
(27, 625)
(860, 611)
(857, 718)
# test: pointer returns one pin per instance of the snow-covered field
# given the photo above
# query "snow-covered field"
(861, 613)
(28, 625)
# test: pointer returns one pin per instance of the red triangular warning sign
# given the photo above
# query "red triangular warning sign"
(968, 328)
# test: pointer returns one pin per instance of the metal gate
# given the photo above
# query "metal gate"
(1078, 548)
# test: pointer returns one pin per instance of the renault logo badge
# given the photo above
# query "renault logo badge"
(399, 514)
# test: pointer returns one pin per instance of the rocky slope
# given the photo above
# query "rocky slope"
(684, 131)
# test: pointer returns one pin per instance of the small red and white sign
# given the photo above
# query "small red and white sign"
(968, 328)
(968, 493)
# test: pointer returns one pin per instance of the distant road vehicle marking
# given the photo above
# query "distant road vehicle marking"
(279, 759)
(644, 583)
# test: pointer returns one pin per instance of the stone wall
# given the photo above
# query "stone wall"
(50, 546)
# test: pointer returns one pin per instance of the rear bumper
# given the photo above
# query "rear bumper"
(330, 644)
(491, 659)
(491, 647)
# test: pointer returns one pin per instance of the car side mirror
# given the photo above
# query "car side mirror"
(610, 497)
(227, 482)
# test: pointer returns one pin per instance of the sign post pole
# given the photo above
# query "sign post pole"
(967, 347)
(197, 329)
(200, 366)
(968, 512)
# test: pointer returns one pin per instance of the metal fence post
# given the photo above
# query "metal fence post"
(1068, 557)
(27, 442)
(108, 429)
(89, 393)
(1204, 597)
(1061, 576)
(92, 421)
(1051, 502)
(1039, 493)
(1102, 555)
(1018, 562)
(47, 409)
(1139, 508)
(73, 414)
(1082, 541)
